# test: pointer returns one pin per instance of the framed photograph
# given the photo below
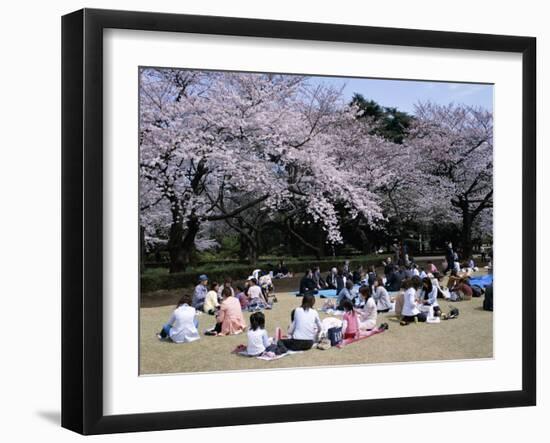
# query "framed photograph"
(269, 221)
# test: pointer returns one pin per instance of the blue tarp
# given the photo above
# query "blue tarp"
(331, 293)
(482, 281)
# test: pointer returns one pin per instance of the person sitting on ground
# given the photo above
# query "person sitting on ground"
(381, 296)
(358, 275)
(340, 280)
(226, 284)
(350, 327)
(346, 269)
(462, 290)
(211, 301)
(410, 310)
(319, 282)
(258, 340)
(182, 324)
(344, 294)
(200, 292)
(368, 315)
(371, 276)
(432, 269)
(307, 285)
(282, 271)
(453, 280)
(230, 319)
(305, 327)
(428, 293)
(241, 296)
(422, 273)
(394, 281)
(331, 279)
(255, 294)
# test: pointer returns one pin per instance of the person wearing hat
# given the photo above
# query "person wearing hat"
(199, 295)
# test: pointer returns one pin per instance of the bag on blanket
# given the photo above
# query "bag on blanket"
(335, 336)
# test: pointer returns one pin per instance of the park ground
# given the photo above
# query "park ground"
(470, 336)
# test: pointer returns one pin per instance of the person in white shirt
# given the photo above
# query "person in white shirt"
(254, 292)
(306, 326)
(428, 293)
(183, 323)
(410, 310)
(368, 315)
(258, 340)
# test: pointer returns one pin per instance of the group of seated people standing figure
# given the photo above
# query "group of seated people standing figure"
(282, 271)
(411, 290)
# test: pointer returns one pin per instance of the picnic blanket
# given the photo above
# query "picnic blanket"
(327, 293)
(484, 280)
(267, 356)
(362, 336)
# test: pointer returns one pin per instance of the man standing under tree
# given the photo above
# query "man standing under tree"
(450, 257)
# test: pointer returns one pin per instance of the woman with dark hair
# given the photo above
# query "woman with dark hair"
(410, 310)
(372, 275)
(428, 293)
(368, 315)
(229, 319)
(344, 294)
(381, 296)
(258, 339)
(350, 327)
(306, 326)
(182, 324)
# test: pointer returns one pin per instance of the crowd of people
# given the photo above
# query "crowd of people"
(409, 290)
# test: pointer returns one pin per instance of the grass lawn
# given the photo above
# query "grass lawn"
(469, 336)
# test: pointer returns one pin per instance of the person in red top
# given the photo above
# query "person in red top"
(464, 290)
(351, 323)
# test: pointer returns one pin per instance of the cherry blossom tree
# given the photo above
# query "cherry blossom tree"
(454, 145)
(214, 145)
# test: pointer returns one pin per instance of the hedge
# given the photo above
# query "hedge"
(156, 281)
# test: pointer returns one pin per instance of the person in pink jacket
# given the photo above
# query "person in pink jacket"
(230, 319)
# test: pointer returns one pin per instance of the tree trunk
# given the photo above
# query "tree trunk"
(466, 233)
(181, 244)
(364, 240)
(252, 255)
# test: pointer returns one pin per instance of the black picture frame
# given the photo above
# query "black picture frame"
(82, 218)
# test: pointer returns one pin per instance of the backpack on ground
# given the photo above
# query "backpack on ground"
(335, 336)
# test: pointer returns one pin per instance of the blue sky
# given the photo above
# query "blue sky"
(403, 94)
